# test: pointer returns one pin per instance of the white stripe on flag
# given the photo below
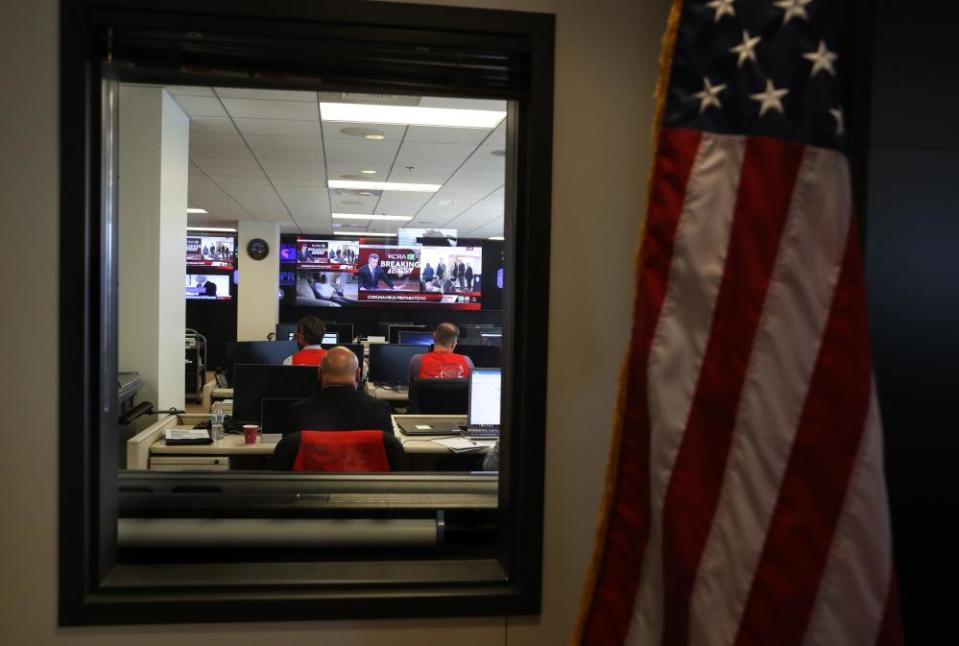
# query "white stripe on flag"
(783, 357)
(852, 596)
(678, 346)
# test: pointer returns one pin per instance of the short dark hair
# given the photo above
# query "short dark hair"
(373, 256)
(446, 334)
(312, 328)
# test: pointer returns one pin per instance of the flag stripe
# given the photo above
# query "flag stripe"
(810, 499)
(852, 597)
(618, 571)
(681, 336)
(890, 632)
(781, 365)
(761, 207)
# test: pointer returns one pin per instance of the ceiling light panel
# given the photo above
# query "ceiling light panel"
(367, 234)
(410, 115)
(357, 216)
(383, 186)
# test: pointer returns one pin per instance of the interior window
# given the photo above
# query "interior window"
(309, 283)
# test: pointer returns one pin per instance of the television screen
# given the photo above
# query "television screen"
(396, 275)
(340, 255)
(434, 237)
(287, 277)
(207, 287)
(210, 251)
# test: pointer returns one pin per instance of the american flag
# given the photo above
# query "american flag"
(746, 501)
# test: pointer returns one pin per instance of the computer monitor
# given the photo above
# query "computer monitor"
(285, 331)
(357, 349)
(394, 335)
(482, 356)
(390, 362)
(252, 383)
(473, 330)
(268, 352)
(344, 331)
(491, 339)
(330, 338)
(484, 397)
(415, 338)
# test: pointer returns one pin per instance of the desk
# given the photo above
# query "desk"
(148, 450)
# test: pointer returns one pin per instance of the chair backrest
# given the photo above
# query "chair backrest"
(439, 396)
(341, 451)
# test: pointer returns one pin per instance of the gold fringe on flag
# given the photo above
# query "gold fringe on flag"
(612, 467)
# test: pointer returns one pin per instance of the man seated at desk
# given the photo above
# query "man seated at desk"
(442, 362)
(339, 406)
(309, 337)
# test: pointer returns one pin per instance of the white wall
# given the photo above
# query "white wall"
(153, 169)
(257, 307)
(606, 53)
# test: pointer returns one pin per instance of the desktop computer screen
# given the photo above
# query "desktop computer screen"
(491, 338)
(484, 399)
(389, 362)
(394, 330)
(264, 352)
(330, 338)
(415, 338)
(253, 383)
(482, 356)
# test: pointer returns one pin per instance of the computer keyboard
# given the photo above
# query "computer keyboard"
(482, 432)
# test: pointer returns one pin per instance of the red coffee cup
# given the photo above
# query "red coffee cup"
(250, 431)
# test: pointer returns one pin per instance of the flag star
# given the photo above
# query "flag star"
(709, 95)
(770, 99)
(746, 49)
(840, 124)
(722, 8)
(822, 59)
(793, 9)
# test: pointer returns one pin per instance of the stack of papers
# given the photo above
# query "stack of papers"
(460, 445)
(187, 436)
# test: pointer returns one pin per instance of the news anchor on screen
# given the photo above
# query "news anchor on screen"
(370, 274)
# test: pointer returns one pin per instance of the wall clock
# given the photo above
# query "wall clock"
(257, 249)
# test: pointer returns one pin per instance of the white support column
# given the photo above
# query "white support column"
(153, 168)
(258, 306)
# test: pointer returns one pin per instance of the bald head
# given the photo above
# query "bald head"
(339, 367)
(445, 336)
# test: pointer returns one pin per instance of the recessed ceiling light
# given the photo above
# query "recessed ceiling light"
(384, 186)
(358, 216)
(366, 234)
(369, 133)
(374, 137)
(411, 115)
(497, 238)
(368, 172)
(499, 153)
(365, 194)
(216, 229)
(197, 211)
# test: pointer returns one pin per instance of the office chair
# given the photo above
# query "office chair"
(439, 396)
(341, 451)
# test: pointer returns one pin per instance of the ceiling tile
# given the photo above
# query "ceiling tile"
(277, 127)
(276, 95)
(429, 134)
(270, 109)
(200, 106)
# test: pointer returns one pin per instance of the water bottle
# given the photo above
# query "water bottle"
(216, 422)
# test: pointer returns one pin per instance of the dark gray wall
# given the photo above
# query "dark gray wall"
(912, 265)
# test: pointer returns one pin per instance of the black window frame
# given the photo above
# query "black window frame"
(408, 49)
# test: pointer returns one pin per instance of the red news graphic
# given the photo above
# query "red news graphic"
(210, 251)
(388, 267)
(330, 255)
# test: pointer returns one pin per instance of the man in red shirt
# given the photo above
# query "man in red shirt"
(442, 362)
(309, 335)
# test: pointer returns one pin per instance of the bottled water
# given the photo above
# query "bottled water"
(216, 422)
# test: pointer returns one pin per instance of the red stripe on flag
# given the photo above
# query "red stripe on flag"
(619, 568)
(769, 172)
(890, 631)
(800, 534)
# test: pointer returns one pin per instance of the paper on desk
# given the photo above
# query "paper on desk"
(187, 434)
(459, 444)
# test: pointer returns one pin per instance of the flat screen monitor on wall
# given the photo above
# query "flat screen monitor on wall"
(208, 287)
(335, 273)
(215, 251)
